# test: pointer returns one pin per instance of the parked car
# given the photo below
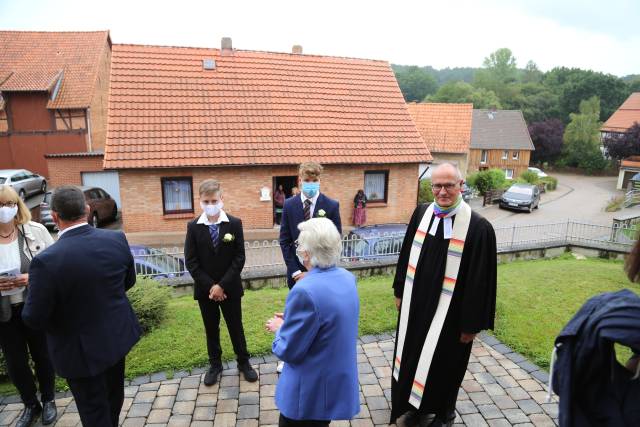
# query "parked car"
(156, 263)
(538, 172)
(374, 242)
(102, 207)
(521, 197)
(26, 183)
(467, 192)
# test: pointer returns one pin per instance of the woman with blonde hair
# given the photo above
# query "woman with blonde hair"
(20, 240)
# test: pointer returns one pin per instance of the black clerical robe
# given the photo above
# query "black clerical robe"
(472, 309)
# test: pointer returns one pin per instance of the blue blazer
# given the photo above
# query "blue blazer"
(77, 295)
(292, 215)
(317, 342)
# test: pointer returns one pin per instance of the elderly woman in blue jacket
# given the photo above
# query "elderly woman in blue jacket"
(316, 336)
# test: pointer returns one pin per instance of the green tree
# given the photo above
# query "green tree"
(536, 101)
(416, 83)
(499, 74)
(461, 92)
(531, 73)
(582, 137)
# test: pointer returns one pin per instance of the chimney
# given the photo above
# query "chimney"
(226, 47)
(297, 49)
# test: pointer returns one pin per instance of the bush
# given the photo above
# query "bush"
(491, 179)
(529, 177)
(551, 183)
(593, 161)
(149, 300)
(425, 194)
(614, 204)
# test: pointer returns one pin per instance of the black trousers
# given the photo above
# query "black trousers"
(232, 312)
(288, 422)
(17, 341)
(99, 398)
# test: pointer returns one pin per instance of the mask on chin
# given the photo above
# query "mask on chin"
(7, 214)
(310, 189)
(212, 210)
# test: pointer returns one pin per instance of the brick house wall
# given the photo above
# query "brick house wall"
(495, 160)
(460, 159)
(141, 194)
(68, 170)
(98, 111)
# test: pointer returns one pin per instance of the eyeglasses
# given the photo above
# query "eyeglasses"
(447, 187)
(8, 204)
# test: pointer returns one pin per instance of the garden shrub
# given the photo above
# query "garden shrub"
(425, 195)
(529, 177)
(149, 300)
(486, 180)
(551, 183)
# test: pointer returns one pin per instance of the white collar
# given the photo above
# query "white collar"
(71, 228)
(314, 199)
(204, 219)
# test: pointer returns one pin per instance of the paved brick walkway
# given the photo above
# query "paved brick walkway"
(501, 388)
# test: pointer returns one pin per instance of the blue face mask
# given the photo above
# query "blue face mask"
(310, 189)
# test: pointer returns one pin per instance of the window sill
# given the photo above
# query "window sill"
(187, 215)
(374, 205)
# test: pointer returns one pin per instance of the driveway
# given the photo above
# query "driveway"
(578, 198)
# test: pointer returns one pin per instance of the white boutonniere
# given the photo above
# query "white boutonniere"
(322, 213)
(228, 238)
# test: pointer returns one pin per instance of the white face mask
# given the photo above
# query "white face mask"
(7, 214)
(212, 210)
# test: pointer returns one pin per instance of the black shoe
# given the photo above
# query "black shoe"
(430, 420)
(408, 419)
(249, 373)
(49, 412)
(29, 415)
(211, 377)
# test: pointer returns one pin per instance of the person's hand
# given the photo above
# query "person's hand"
(280, 315)
(274, 323)
(466, 338)
(398, 303)
(217, 293)
(632, 363)
(8, 283)
(300, 276)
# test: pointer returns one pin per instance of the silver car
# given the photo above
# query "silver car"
(25, 183)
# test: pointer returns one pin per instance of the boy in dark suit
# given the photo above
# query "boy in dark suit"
(214, 254)
(309, 204)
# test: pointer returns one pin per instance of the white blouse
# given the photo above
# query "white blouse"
(10, 259)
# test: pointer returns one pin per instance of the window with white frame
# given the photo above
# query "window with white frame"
(375, 185)
(516, 155)
(177, 195)
(483, 156)
(505, 154)
(508, 173)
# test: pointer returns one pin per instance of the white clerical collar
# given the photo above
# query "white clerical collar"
(204, 219)
(313, 199)
(82, 224)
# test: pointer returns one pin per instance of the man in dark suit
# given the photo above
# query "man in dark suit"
(78, 296)
(214, 254)
(309, 204)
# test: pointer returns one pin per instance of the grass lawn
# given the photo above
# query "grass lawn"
(535, 300)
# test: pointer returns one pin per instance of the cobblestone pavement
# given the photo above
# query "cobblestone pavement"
(501, 388)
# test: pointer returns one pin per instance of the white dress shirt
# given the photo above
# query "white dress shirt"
(71, 228)
(314, 199)
(204, 219)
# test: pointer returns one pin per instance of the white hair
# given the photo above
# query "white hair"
(321, 239)
(457, 172)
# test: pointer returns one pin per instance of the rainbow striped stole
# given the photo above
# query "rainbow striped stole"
(454, 256)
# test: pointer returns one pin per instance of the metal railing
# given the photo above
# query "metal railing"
(631, 198)
(266, 255)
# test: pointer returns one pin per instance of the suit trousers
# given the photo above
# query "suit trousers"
(17, 341)
(232, 312)
(288, 422)
(99, 398)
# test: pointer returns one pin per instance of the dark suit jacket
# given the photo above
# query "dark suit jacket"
(209, 265)
(292, 215)
(78, 296)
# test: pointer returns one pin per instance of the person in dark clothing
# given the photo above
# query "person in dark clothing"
(445, 289)
(214, 254)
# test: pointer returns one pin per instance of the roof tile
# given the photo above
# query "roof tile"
(446, 128)
(255, 108)
(625, 116)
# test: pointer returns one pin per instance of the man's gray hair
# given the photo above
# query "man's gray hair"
(69, 203)
(459, 176)
(321, 239)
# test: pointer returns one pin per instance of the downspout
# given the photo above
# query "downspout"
(88, 117)
(419, 179)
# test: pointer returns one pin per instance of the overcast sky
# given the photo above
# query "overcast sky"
(599, 35)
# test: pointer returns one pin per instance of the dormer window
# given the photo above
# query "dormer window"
(70, 120)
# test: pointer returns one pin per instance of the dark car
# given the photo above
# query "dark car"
(156, 263)
(524, 197)
(102, 207)
(373, 242)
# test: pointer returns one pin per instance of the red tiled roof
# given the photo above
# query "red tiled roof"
(625, 116)
(446, 128)
(255, 108)
(31, 61)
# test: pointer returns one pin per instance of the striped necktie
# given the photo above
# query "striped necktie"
(307, 209)
(213, 232)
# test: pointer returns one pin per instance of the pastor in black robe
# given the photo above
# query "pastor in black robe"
(472, 309)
